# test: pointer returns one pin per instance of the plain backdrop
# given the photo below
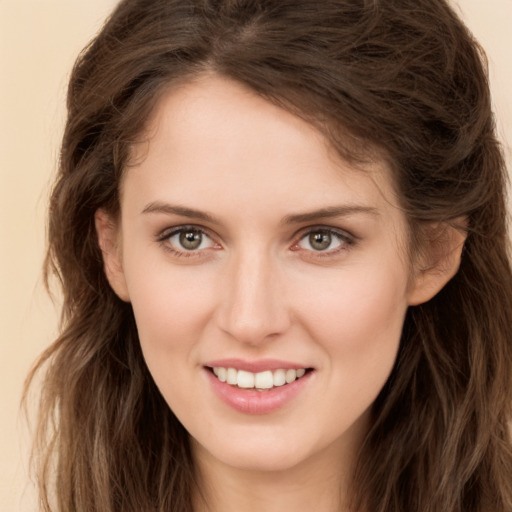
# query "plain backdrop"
(39, 40)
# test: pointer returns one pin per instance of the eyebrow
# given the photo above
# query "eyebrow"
(315, 215)
(183, 211)
(329, 213)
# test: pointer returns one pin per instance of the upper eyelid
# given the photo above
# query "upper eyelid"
(343, 233)
(169, 231)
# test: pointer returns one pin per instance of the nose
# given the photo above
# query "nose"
(252, 307)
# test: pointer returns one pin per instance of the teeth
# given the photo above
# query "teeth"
(291, 375)
(245, 379)
(221, 373)
(262, 380)
(279, 378)
(232, 376)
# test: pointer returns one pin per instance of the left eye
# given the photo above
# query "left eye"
(189, 239)
(322, 240)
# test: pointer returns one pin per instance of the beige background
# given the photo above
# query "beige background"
(39, 40)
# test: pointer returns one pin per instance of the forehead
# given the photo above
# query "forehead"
(215, 137)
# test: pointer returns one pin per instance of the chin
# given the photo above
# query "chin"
(257, 453)
(260, 461)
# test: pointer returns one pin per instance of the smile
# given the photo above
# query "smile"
(258, 386)
(260, 381)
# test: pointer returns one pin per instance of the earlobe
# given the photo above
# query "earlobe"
(439, 262)
(108, 240)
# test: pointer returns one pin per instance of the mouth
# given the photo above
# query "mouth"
(260, 381)
(258, 387)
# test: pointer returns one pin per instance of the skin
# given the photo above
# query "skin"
(258, 288)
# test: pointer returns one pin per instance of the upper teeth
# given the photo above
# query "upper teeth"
(261, 380)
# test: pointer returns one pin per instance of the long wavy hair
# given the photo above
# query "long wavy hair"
(403, 76)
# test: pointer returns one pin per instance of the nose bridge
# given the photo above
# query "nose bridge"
(253, 306)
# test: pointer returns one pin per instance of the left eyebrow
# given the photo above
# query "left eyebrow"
(328, 213)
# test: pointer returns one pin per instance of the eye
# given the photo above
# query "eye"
(324, 240)
(187, 239)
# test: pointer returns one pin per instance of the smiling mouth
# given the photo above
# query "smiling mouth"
(261, 381)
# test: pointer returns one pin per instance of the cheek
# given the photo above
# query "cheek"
(369, 298)
(171, 308)
(358, 320)
(360, 333)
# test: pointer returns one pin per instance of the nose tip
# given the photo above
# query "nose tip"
(253, 308)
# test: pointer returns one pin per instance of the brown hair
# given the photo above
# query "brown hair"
(405, 76)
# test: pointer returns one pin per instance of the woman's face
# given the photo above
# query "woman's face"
(246, 245)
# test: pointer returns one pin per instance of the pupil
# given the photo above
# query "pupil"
(190, 240)
(320, 240)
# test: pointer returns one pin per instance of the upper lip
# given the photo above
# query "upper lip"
(255, 366)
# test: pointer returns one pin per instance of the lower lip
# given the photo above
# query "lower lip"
(250, 401)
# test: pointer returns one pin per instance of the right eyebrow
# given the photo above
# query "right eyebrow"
(182, 211)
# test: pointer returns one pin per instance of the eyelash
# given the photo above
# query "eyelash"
(344, 238)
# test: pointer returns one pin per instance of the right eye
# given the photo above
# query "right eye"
(187, 240)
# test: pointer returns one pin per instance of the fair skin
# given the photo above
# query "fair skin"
(244, 242)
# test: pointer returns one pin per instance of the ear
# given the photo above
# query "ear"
(107, 229)
(439, 260)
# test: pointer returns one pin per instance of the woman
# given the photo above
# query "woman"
(280, 232)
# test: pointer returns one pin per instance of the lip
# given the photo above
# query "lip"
(249, 401)
(255, 366)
